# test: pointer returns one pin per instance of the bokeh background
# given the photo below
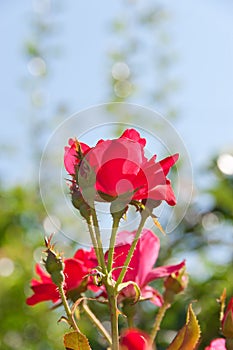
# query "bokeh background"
(58, 58)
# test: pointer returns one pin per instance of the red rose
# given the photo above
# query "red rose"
(141, 265)
(119, 167)
(76, 281)
(134, 339)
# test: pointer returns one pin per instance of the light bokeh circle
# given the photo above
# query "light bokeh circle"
(108, 121)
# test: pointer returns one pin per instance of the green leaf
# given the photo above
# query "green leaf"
(187, 338)
(76, 341)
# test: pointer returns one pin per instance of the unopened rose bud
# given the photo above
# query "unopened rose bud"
(177, 281)
(227, 321)
(135, 339)
(54, 266)
(77, 198)
(79, 203)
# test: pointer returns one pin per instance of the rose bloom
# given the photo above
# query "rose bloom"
(141, 269)
(217, 344)
(76, 280)
(119, 167)
(134, 339)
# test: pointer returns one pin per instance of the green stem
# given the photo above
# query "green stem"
(115, 224)
(98, 239)
(112, 297)
(111, 291)
(130, 321)
(158, 320)
(93, 239)
(131, 251)
(67, 309)
(97, 323)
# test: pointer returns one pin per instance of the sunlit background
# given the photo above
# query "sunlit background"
(58, 58)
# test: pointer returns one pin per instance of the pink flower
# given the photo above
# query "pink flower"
(76, 281)
(141, 268)
(217, 344)
(119, 167)
(134, 339)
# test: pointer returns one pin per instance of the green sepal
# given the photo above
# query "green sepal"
(123, 285)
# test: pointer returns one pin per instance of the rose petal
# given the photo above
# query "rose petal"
(163, 271)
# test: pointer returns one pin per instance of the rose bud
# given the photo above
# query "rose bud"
(79, 203)
(135, 339)
(227, 321)
(54, 266)
(176, 282)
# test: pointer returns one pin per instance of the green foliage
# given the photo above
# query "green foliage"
(76, 341)
(23, 327)
(187, 337)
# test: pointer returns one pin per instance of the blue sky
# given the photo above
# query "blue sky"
(202, 35)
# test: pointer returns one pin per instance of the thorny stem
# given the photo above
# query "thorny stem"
(131, 251)
(97, 323)
(93, 239)
(98, 239)
(110, 288)
(112, 297)
(115, 224)
(158, 320)
(67, 309)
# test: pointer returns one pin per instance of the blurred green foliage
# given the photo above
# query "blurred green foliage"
(21, 236)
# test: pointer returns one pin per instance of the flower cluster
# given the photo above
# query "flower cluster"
(77, 271)
(118, 172)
